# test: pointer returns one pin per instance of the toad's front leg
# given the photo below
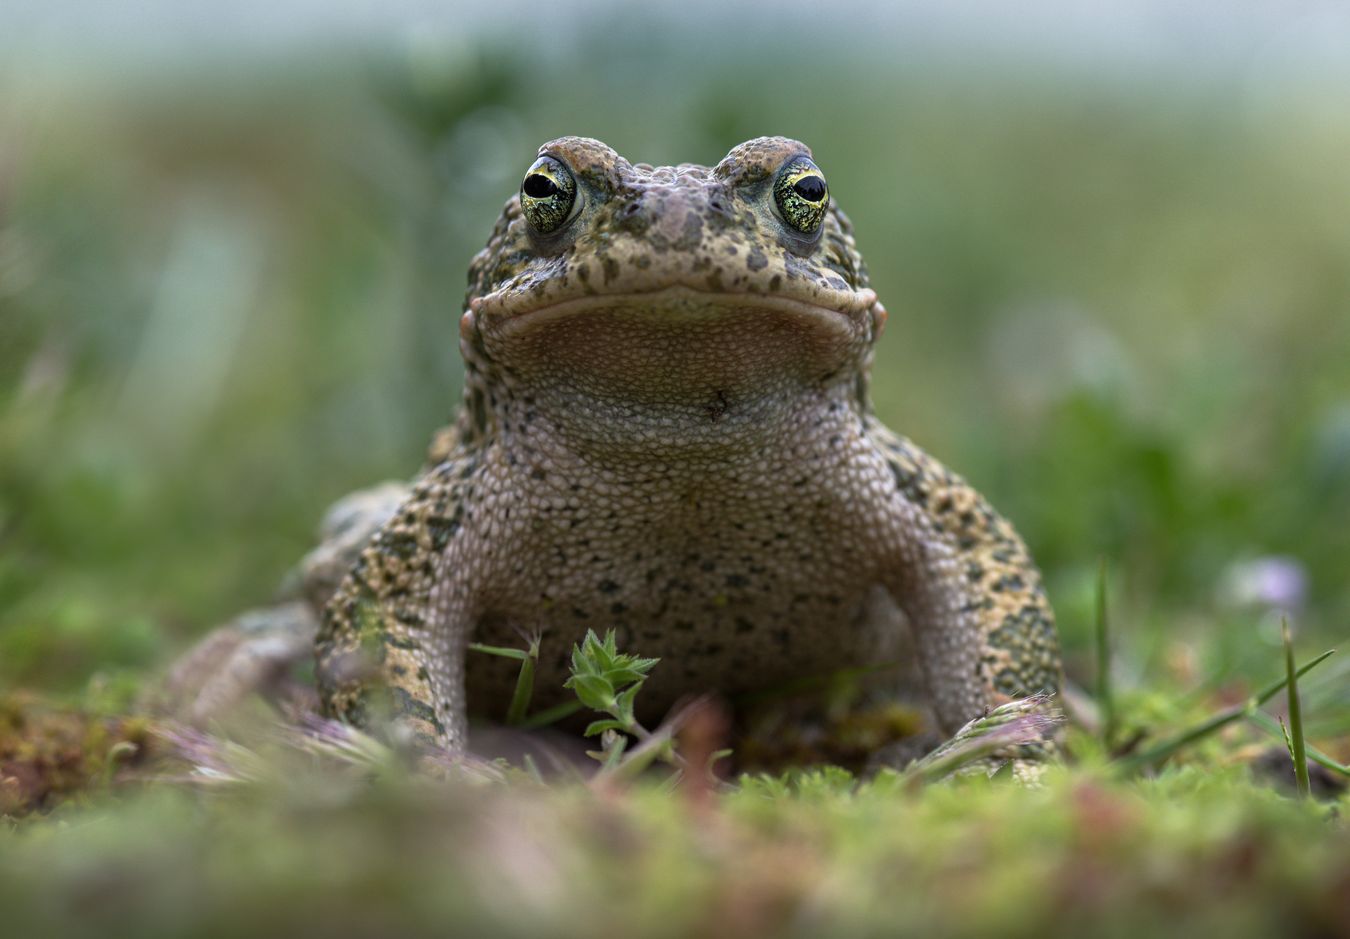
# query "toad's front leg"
(982, 623)
(392, 643)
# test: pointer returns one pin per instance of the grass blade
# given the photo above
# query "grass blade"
(524, 690)
(1019, 722)
(1296, 745)
(1105, 695)
(551, 715)
(502, 651)
(1262, 720)
(1159, 752)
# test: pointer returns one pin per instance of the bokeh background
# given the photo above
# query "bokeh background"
(1114, 240)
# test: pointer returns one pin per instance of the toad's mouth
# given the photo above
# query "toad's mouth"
(679, 308)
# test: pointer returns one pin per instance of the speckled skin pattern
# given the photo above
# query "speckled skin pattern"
(666, 432)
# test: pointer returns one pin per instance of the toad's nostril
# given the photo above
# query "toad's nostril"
(633, 216)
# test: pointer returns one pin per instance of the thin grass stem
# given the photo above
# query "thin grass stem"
(1296, 745)
(524, 690)
(1105, 693)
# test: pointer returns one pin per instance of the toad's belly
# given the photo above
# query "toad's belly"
(753, 570)
(717, 627)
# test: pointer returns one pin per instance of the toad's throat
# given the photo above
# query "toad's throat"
(674, 371)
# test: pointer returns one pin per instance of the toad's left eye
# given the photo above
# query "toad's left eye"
(801, 195)
(548, 194)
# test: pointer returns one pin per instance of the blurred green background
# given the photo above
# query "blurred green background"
(1118, 272)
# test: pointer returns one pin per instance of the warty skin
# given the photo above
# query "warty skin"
(666, 431)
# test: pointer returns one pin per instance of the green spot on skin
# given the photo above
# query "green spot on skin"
(370, 628)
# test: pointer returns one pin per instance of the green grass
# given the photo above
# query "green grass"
(1120, 309)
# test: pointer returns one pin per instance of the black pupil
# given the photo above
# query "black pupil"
(810, 188)
(539, 186)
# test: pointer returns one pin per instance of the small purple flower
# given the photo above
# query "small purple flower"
(1277, 583)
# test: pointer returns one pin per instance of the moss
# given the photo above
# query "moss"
(318, 847)
(50, 754)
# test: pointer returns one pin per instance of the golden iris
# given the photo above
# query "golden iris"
(547, 194)
(802, 195)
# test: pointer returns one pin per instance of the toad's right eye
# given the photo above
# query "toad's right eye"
(548, 195)
(802, 195)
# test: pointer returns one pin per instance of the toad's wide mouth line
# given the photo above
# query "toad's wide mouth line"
(687, 299)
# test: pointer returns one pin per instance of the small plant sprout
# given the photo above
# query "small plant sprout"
(607, 680)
